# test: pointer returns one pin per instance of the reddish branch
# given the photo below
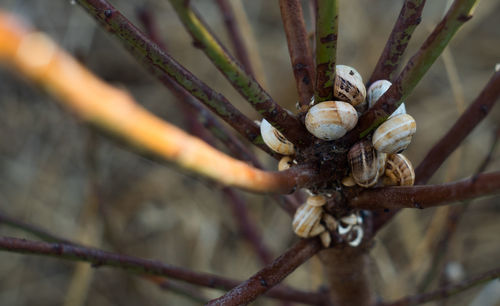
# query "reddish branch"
(271, 275)
(100, 258)
(409, 18)
(429, 195)
(233, 30)
(298, 47)
(446, 291)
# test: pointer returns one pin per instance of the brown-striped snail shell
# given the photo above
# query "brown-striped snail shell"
(381, 160)
(394, 135)
(362, 158)
(275, 140)
(376, 90)
(349, 86)
(285, 163)
(306, 220)
(399, 171)
(330, 120)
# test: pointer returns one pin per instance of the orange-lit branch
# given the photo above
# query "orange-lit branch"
(39, 59)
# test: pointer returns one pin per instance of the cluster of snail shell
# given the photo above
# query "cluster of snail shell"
(374, 161)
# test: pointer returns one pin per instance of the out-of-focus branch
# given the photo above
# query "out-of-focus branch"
(459, 12)
(428, 196)
(298, 47)
(446, 291)
(40, 60)
(100, 258)
(271, 275)
(409, 18)
(246, 85)
(326, 49)
(162, 65)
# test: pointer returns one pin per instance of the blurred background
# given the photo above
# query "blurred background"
(63, 177)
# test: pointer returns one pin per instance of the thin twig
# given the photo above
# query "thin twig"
(244, 83)
(100, 258)
(459, 12)
(298, 47)
(409, 18)
(446, 291)
(271, 275)
(38, 58)
(162, 65)
(326, 49)
(429, 195)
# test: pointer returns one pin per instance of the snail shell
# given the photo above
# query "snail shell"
(381, 160)
(362, 158)
(349, 85)
(316, 200)
(305, 219)
(275, 140)
(399, 171)
(330, 120)
(330, 222)
(326, 239)
(285, 163)
(394, 135)
(376, 90)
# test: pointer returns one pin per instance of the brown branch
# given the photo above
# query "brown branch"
(298, 47)
(100, 258)
(409, 18)
(271, 275)
(233, 30)
(476, 112)
(428, 196)
(446, 291)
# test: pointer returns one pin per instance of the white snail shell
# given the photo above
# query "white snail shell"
(285, 163)
(376, 90)
(275, 140)
(359, 236)
(399, 171)
(362, 158)
(305, 219)
(330, 120)
(394, 135)
(349, 85)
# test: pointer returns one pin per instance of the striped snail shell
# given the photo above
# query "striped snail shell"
(349, 86)
(330, 120)
(381, 160)
(275, 140)
(399, 171)
(394, 135)
(362, 158)
(306, 221)
(376, 90)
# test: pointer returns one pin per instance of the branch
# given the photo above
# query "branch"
(409, 18)
(428, 196)
(244, 83)
(446, 291)
(271, 275)
(40, 60)
(459, 12)
(298, 47)
(476, 112)
(326, 49)
(163, 65)
(100, 258)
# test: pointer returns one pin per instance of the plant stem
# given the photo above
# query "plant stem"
(246, 85)
(271, 275)
(408, 20)
(459, 12)
(163, 65)
(298, 47)
(429, 195)
(326, 49)
(100, 258)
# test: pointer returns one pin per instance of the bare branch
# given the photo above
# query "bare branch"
(428, 196)
(271, 275)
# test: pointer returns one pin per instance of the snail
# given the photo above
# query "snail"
(364, 164)
(285, 163)
(275, 140)
(330, 120)
(394, 135)
(381, 160)
(399, 171)
(349, 86)
(376, 90)
(306, 221)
